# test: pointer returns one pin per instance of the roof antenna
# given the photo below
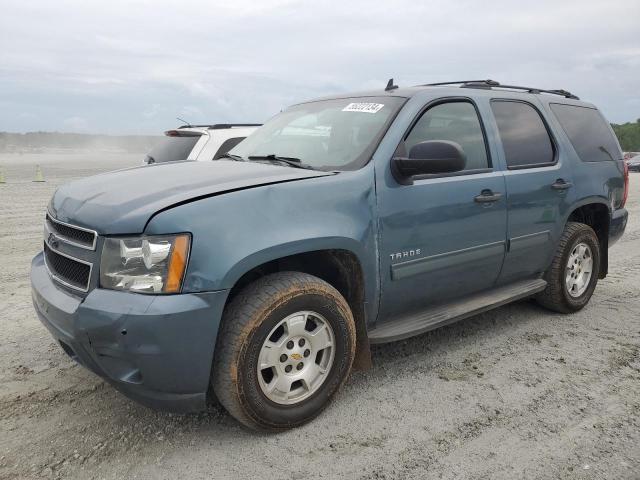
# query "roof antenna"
(390, 85)
(186, 124)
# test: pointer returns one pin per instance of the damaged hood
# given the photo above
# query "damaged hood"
(122, 202)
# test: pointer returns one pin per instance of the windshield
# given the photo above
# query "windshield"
(336, 134)
(172, 148)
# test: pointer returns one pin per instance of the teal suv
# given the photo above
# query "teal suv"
(263, 277)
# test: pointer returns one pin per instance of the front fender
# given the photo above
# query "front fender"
(301, 245)
(238, 231)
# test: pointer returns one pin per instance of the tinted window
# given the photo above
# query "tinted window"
(227, 145)
(588, 132)
(456, 122)
(173, 148)
(525, 139)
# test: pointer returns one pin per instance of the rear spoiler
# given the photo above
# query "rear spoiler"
(220, 126)
(182, 133)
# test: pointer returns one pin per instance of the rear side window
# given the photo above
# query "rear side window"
(173, 148)
(456, 122)
(525, 138)
(588, 132)
(227, 145)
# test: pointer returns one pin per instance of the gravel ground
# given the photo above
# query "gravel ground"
(518, 392)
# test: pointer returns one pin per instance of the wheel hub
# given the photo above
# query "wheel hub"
(579, 270)
(296, 353)
(296, 357)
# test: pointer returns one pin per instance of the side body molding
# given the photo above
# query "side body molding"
(444, 260)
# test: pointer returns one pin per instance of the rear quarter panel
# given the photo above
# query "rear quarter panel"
(594, 182)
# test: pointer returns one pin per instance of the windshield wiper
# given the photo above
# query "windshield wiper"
(291, 161)
(231, 156)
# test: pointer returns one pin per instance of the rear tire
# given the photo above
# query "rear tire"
(569, 288)
(285, 347)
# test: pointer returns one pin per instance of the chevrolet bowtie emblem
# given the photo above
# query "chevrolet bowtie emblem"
(53, 241)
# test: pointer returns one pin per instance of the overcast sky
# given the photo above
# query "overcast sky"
(133, 66)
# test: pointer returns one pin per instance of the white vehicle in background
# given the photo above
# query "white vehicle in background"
(199, 142)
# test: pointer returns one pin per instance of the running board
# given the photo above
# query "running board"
(415, 324)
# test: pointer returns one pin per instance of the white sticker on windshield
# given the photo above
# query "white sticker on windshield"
(363, 107)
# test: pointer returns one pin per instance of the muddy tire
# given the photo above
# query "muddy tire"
(285, 347)
(573, 274)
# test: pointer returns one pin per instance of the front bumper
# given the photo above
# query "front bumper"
(617, 225)
(156, 349)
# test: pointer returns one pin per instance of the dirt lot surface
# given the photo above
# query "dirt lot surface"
(514, 393)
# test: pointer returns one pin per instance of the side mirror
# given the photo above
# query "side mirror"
(430, 157)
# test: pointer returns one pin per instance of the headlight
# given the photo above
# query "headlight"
(148, 264)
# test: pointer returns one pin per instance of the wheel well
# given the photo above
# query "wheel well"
(596, 215)
(341, 269)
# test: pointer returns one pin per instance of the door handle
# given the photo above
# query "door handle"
(487, 196)
(561, 184)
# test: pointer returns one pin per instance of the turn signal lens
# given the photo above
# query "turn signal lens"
(177, 264)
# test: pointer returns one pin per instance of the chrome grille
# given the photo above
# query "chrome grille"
(69, 271)
(78, 236)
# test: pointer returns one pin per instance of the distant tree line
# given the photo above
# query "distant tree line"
(628, 135)
(36, 141)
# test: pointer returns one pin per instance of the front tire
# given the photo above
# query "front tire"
(285, 347)
(573, 274)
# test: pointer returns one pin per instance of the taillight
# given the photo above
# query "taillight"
(626, 184)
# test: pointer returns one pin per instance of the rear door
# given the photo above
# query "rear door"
(443, 236)
(540, 188)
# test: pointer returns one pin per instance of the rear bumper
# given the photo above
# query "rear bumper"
(157, 350)
(617, 225)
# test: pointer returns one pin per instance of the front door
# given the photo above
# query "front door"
(443, 236)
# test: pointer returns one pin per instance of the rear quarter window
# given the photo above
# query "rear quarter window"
(173, 148)
(588, 132)
(227, 145)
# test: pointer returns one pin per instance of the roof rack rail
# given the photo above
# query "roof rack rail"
(489, 84)
(220, 126)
